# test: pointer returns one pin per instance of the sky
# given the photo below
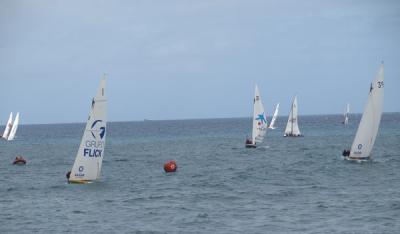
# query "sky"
(183, 59)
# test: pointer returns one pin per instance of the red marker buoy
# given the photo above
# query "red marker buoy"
(170, 166)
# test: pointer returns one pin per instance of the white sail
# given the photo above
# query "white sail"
(292, 127)
(346, 114)
(8, 127)
(271, 125)
(14, 128)
(370, 120)
(259, 120)
(88, 161)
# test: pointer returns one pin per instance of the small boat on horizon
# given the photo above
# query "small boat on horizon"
(369, 125)
(292, 126)
(346, 115)
(259, 122)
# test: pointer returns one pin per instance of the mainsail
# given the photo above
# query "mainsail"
(88, 161)
(8, 127)
(370, 120)
(292, 127)
(346, 114)
(259, 120)
(272, 123)
(14, 128)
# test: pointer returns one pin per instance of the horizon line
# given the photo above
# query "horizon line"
(188, 119)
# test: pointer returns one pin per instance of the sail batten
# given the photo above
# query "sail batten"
(88, 161)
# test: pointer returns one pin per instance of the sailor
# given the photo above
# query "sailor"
(68, 175)
(346, 153)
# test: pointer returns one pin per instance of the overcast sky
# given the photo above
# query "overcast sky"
(194, 59)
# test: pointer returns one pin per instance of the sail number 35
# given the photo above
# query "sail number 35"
(380, 84)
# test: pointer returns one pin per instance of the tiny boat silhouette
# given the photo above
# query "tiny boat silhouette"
(19, 160)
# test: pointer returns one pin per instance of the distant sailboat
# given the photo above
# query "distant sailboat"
(88, 161)
(259, 122)
(14, 128)
(272, 123)
(346, 115)
(370, 120)
(8, 127)
(292, 127)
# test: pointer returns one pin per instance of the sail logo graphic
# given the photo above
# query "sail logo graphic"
(261, 119)
(98, 129)
(94, 148)
(359, 147)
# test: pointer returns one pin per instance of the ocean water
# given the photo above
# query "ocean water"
(288, 185)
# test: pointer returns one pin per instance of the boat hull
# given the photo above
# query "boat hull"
(19, 162)
(251, 146)
(292, 135)
(80, 181)
(357, 159)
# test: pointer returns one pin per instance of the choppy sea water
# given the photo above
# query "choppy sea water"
(288, 185)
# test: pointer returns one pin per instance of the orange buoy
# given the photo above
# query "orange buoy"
(170, 166)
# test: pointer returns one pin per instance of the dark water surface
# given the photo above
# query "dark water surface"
(289, 185)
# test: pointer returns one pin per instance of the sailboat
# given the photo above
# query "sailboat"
(8, 127)
(259, 122)
(292, 127)
(346, 115)
(14, 128)
(369, 124)
(88, 161)
(272, 123)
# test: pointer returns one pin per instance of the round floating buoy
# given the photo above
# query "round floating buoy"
(170, 166)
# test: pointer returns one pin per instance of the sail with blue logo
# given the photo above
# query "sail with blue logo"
(259, 119)
(88, 161)
(370, 120)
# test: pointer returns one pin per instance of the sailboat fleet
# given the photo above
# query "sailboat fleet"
(11, 127)
(88, 161)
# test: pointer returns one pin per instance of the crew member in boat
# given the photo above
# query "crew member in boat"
(19, 160)
(68, 175)
(346, 153)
